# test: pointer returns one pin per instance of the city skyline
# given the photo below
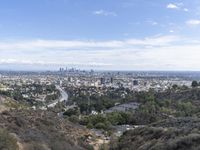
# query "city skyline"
(100, 35)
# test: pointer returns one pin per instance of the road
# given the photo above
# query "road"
(63, 97)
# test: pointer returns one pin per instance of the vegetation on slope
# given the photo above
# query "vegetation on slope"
(43, 130)
(170, 134)
(7, 141)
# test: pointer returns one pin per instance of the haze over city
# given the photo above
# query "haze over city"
(102, 35)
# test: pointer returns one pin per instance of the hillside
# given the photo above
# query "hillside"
(174, 123)
(23, 128)
(173, 134)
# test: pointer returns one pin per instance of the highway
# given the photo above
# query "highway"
(63, 97)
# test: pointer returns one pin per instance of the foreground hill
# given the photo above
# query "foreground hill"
(172, 134)
(39, 130)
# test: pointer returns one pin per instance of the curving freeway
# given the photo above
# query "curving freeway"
(63, 97)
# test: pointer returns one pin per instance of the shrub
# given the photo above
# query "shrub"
(73, 119)
(90, 125)
(7, 142)
(100, 126)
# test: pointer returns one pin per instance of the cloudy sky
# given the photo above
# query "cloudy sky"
(100, 34)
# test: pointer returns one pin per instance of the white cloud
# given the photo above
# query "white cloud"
(156, 53)
(172, 6)
(154, 41)
(58, 63)
(153, 23)
(87, 44)
(177, 6)
(104, 13)
(193, 22)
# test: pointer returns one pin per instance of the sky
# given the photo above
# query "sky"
(100, 34)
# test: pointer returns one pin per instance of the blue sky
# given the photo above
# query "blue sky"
(100, 34)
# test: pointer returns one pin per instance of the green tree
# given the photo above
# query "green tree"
(72, 111)
(194, 84)
(100, 126)
(175, 86)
